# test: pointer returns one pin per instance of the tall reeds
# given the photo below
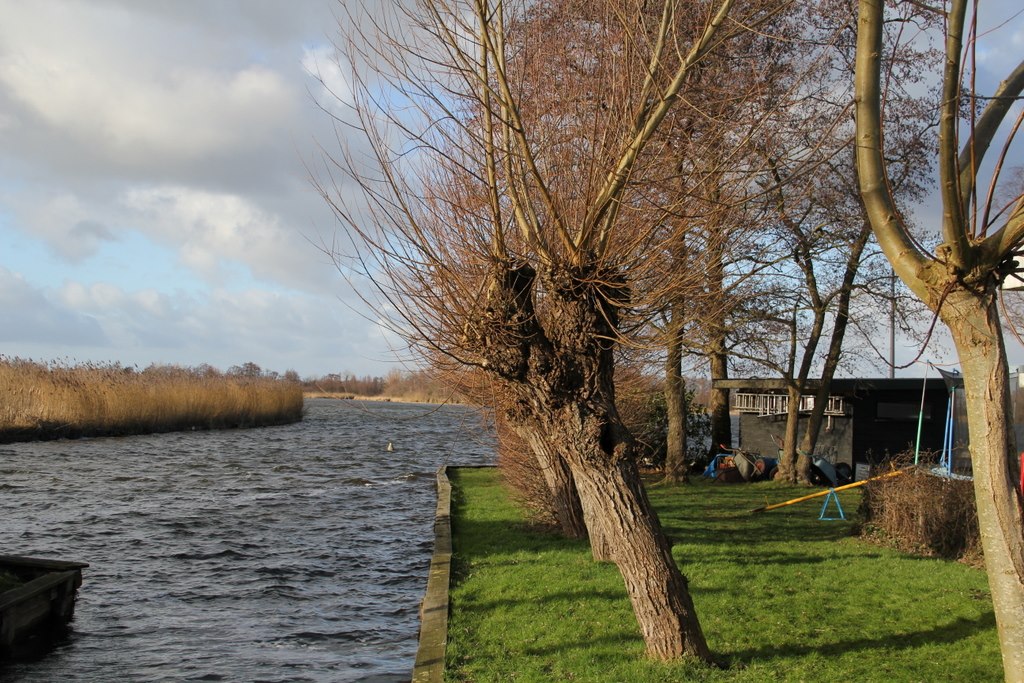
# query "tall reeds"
(53, 400)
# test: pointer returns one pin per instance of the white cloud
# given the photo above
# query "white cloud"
(212, 229)
(31, 317)
(96, 298)
(69, 227)
(276, 330)
(151, 159)
(130, 117)
(131, 91)
(1000, 41)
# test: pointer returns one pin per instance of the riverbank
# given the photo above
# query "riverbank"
(781, 596)
(46, 401)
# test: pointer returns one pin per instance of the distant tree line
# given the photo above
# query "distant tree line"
(347, 383)
(413, 385)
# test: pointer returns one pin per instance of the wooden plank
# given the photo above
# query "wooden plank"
(19, 562)
(40, 606)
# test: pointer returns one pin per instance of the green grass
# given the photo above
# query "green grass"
(781, 596)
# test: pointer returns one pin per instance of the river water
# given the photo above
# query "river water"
(294, 553)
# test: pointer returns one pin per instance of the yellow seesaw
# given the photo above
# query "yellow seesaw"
(831, 490)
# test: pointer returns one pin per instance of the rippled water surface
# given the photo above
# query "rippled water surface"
(294, 553)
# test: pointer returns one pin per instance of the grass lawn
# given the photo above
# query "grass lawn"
(781, 596)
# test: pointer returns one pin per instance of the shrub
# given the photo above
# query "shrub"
(522, 475)
(923, 513)
(646, 415)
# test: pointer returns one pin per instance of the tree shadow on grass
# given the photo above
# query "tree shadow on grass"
(946, 633)
(715, 528)
(566, 598)
(758, 558)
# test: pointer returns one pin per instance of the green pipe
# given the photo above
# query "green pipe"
(920, 414)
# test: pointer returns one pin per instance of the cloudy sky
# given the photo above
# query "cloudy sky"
(154, 199)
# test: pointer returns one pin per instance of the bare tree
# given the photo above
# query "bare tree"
(707, 157)
(959, 280)
(507, 223)
(820, 232)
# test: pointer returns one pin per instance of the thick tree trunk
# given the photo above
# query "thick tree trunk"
(675, 404)
(976, 331)
(787, 458)
(575, 520)
(657, 589)
(598, 449)
(961, 286)
(718, 403)
(794, 463)
(560, 366)
(565, 501)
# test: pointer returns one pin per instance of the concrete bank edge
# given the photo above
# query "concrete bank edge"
(429, 665)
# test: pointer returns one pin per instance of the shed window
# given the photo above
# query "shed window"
(902, 412)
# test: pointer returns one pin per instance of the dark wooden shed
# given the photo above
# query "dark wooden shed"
(866, 420)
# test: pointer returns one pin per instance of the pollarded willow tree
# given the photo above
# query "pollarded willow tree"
(506, 221)
(960, 279)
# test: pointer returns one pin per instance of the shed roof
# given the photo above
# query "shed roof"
(840, 386)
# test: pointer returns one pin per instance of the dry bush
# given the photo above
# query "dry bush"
(641, 404)
(523, 476)
(924, 514)
(516, 460)
(56, 400)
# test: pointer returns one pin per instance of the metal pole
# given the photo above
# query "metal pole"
(892, 326)
(920, 413)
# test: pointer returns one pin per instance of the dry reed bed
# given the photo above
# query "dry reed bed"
(52, 400)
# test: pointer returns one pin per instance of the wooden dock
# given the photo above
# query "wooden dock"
(39, 610)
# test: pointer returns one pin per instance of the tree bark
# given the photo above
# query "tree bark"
(575, 519)
(560, 366)
(657, 589)
(974, 324)
(718, 402)
(675, 404)
(788, 463)
(565, 500)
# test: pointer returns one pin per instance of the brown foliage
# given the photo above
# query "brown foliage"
(520, 472)
(923, 513)
(56, 400)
